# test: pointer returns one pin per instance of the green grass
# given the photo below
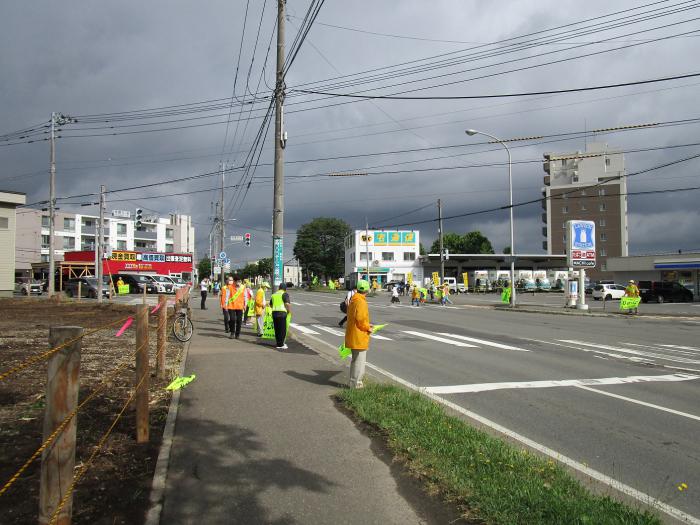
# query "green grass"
(495, 481)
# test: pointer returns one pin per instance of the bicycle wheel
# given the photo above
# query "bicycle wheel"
(182, 328)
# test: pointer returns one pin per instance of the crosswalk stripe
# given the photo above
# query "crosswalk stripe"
(383, 338)
(683, 347)
(630, 351)
(440, 339)
(485, 342)
(303, 329)
(329, 330)
(297, 304)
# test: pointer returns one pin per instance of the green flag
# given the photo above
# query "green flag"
(181, 382)
(629, 303)
(505, 295)
(377, 327)
(344, 352)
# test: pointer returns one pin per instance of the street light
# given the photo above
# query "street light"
(471, 133)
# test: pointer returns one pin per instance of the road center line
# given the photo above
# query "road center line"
(485, 387)
(485, 342)
(440, 339)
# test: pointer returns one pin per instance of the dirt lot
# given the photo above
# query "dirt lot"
(115, 488)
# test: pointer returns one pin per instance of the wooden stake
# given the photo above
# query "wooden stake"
(58, 459)
(142, 374)
(80, 290)
(162, 325)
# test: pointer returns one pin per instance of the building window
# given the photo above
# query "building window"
(363, 256)
(602, 206)
(68, 243)
(409, 256)
(87, 223)
(565, 209)
(45, 221)
(45, 258)
(387, 256)
(121, 245)
(45, 241)
(601, 223)
(607, 161)
(603, 253)
(121, 229)
(4, 223)
(169, 248)
(169, 233)
(603, 236)
(352, 257)
(69, 224)
(601, 192)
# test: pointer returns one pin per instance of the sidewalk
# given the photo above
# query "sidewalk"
(259, 440)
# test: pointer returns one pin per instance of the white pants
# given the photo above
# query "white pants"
(357, 367)
(261, 323)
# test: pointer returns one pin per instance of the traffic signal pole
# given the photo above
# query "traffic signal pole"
(52, 207)
(278, 198)
(221, 224)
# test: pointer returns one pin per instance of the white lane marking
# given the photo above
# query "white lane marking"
(485, 387)
(646, 499)
(485, 342)
(660, 348)
(643, 497)
(638, 402)
(683, 347)
(590, 350)
(303, 329)
(630, 351)
(440, 339)
(329, 330)
(297, 304)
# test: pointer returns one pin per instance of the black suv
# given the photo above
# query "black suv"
(664, 291)
(136, 282)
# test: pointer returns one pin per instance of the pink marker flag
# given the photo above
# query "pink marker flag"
(124, 326)
(155, 309)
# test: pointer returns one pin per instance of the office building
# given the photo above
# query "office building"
(390, 256)
(589, 186)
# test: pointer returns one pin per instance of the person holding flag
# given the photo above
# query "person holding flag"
(235, 302)
(357, 333)
(281, 309)
(632, 291)
(226, 294)
(260, 307)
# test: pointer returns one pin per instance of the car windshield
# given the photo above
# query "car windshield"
(598, 287)
(161, 279)
(178, 280)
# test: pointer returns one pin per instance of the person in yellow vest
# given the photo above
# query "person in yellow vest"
(236, 302)
(415, 296)
(260, 307)
(281, 307)
(224, 296)
(120, 282)
(357, 333)
(632, 291)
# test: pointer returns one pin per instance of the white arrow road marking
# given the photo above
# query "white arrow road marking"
(329, 330)
(484, 342)
(485, 387)
(440, 339)
(303, 329)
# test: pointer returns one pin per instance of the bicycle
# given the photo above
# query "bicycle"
(182, 325)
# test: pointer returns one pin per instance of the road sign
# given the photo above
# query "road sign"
(227, 261)
(580, 236)
(236, 238)
(217, 270)
(222, 255)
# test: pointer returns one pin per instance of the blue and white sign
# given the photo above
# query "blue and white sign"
(222, 255)
(278, 261)
(580, 249)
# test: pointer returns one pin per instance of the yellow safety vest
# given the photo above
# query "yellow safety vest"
(277, 302)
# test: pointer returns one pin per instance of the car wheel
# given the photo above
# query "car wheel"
(608, 297)
(596, 298)
(660, 299)
(69, 293)
(91, 295)
(25, 292)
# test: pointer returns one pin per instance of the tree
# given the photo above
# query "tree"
(472, 242)
(249, 271)
(320, 246)
(265, 267)
(421, 249)
(204, 268)
(506, 250)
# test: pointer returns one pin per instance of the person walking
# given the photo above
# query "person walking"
(281, 307)
(357, 333)
(224, 298)
(260, 307)
(216, 288)
(395, 294)
(203, 289)
(415, 296)
(445, 294)
(632, 291)
(344, 305)
(235, 310)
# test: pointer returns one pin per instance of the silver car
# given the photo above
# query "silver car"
(28, 286)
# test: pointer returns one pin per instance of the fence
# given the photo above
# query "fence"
(58, 475)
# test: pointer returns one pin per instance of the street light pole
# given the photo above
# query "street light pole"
(471, 133)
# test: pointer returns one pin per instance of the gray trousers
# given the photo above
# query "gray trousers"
(357, 367)
(261, 323)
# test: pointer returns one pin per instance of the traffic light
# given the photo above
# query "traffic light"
(246, 238)
(138, 218)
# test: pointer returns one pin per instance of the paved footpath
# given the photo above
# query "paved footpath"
(259, 440)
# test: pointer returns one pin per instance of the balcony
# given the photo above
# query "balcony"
(544, 231)
(544, 204)
(544, 218)
(149, 236)
(547, 180)
(544, 245)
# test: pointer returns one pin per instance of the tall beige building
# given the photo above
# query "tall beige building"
(9, 200)
(591, 186)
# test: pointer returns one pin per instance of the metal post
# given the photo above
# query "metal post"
(367, 248)
(58, 460)
(141, 400)
(442, 249)
(278, 197)
(99, 246)
(52, 207)
(582, 290)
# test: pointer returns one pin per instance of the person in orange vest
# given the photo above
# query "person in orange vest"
(357, 333)
(234, 304)
(223, 300)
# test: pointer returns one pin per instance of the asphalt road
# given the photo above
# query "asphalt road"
(619, 394)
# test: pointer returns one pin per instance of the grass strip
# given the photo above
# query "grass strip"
(495, 481)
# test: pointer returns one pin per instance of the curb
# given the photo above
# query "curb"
(162, 464)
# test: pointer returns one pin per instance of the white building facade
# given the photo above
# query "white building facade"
(389, 256)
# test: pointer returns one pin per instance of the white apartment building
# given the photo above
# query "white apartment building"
(392, 255)
(77, 232)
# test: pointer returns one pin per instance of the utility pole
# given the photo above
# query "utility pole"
(99, 246)
(52, 207)
(367, 248)
(221, 222)
(280, 140)
(442, 249)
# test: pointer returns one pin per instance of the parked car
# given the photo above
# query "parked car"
(664, 291)
(290, 284)
(178, 282)
(136, 282)
(163, 283)
(608, 291)
(28, 286)
(543, 284)
(86, 287)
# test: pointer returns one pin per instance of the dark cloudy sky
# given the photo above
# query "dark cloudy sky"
(86, 58)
